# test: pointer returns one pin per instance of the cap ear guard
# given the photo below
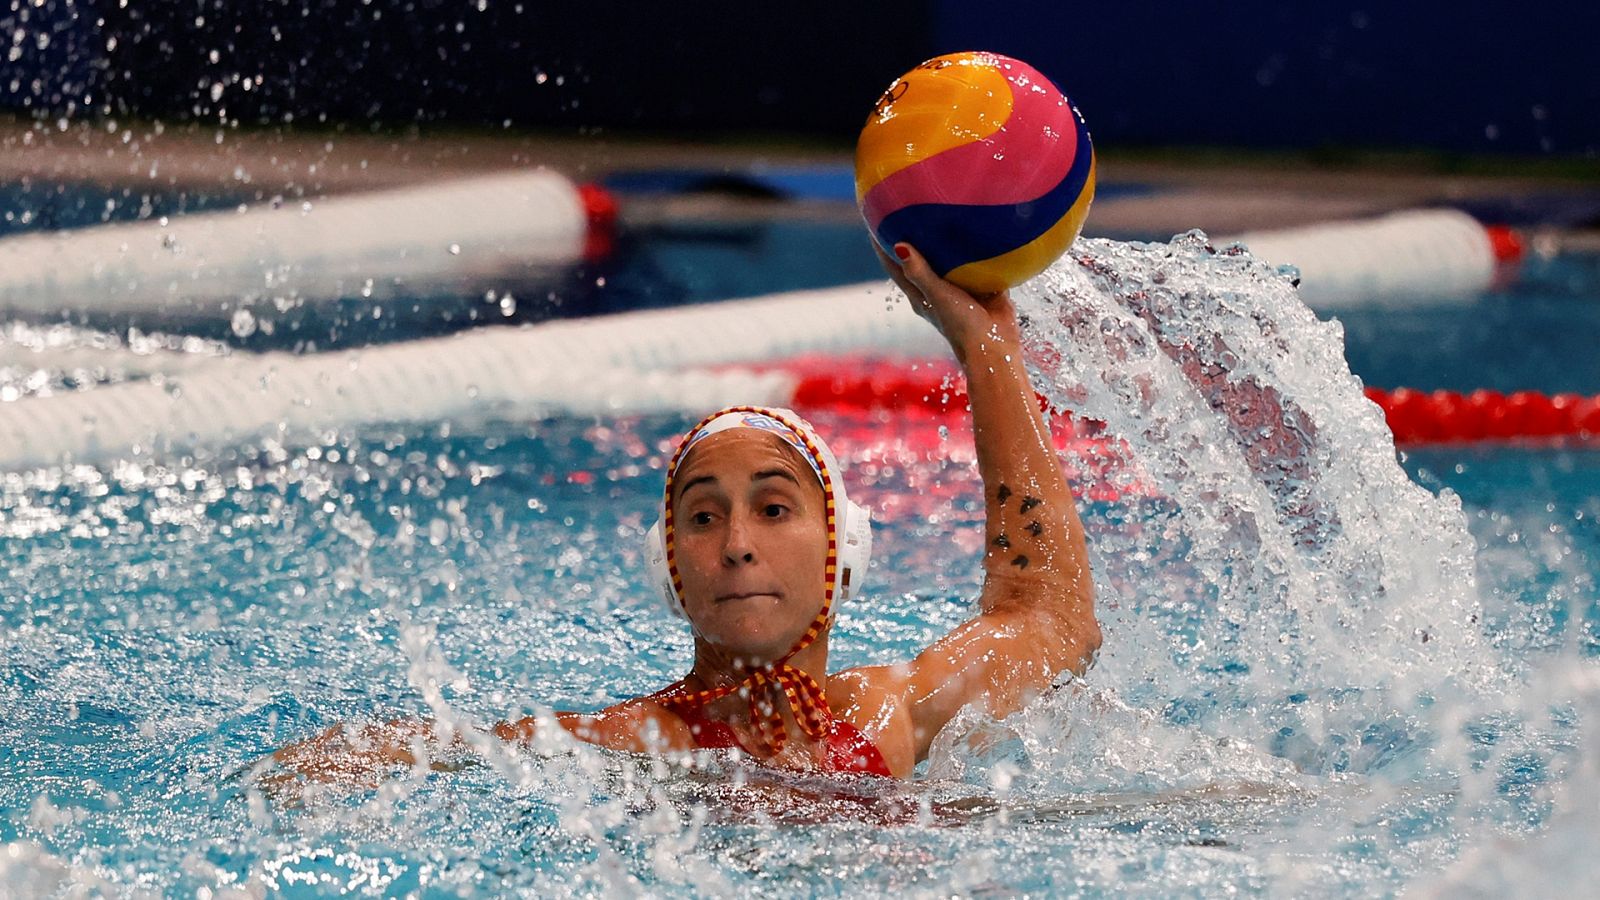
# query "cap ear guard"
(655, 551)
(855, 552)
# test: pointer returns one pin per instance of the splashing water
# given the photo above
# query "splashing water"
(1301, 687)
(1295, 552)
(1291, 591)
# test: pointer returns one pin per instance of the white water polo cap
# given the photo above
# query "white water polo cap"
(849, 525)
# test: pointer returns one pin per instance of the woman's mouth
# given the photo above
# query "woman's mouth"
(745, 595)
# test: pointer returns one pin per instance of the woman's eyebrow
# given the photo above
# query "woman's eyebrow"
(691, 483)
(754, 477)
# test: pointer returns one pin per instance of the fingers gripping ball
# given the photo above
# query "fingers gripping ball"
(979, 162)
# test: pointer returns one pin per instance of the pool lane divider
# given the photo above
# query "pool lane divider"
(663, 360)
(457, 236)
(1415, 417)
(671, 360)
(468, 235)
(1440, 417)
(1415, 257)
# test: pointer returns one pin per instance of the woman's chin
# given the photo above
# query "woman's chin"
(752, 636)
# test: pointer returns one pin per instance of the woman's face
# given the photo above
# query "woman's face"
(750, 538)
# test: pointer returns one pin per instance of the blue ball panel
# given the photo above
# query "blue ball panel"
(952, 235)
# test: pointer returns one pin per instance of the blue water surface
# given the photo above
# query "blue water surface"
(167, 626)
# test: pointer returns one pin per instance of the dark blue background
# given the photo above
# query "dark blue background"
(1464, 76)
(1458, 76)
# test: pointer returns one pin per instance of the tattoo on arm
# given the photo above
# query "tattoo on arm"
(1020, 562)
(1003, 494)
(1034, 528)
(1003, 542)
(1028, 503)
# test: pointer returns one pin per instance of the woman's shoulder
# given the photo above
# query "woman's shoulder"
(641, 724)
(873, 699)
(867, 684)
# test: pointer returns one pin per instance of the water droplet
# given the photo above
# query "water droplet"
(243, 323)
(438, 532)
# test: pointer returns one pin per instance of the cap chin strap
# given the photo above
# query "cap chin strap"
(767, 684)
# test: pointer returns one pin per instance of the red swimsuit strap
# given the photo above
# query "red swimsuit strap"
(848, 749)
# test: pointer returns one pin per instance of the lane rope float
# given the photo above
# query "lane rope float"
(1415, 417)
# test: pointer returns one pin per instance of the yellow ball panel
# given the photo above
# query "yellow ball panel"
(944, 103)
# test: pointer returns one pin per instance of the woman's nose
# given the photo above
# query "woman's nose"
(736, 546)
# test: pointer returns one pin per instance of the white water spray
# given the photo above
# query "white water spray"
(1295, 560)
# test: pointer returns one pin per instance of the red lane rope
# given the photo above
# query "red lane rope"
(1415, 417)
(600, 215)
(861, 383)
(1439, 417)
(1506, 244)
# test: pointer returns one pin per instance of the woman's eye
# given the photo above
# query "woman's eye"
(701, 518)
(774, 510)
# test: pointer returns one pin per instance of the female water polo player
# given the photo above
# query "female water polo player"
(758, 544)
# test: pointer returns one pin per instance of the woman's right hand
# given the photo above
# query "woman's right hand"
(353, 755)
(963, 319)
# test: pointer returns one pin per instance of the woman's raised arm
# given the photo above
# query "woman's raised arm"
(1036, 614)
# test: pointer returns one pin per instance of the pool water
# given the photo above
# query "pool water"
(1268, 717)
(1534, 335)
(232, 605)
